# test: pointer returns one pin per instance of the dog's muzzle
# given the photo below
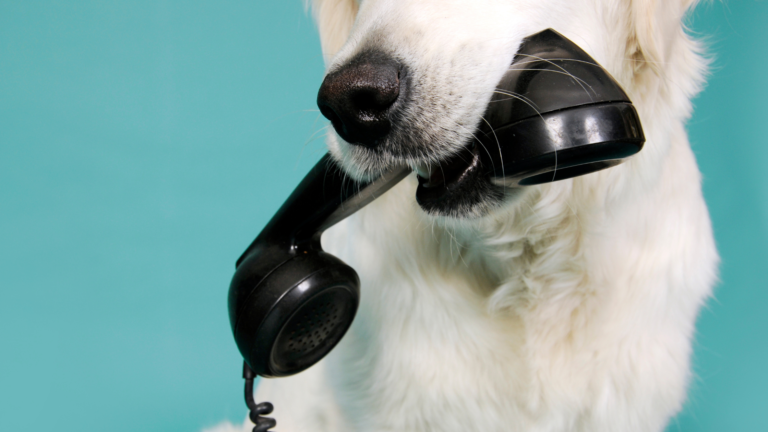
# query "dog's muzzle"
(555, 114)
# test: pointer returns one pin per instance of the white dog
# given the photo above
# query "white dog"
(568, 306)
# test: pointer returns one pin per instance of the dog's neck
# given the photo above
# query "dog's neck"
(536, 237)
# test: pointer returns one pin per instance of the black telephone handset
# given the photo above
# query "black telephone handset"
(290, 302)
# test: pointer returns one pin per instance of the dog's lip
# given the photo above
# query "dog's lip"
(436, 179)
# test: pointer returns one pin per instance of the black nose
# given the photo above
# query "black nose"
(358, 97)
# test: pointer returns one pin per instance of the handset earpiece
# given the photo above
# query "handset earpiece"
(289, 301)
(556, 114)
(296, 314)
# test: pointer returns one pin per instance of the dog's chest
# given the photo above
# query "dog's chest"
(424, 353)
(428, 364)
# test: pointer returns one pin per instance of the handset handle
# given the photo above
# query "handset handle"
(324, 197)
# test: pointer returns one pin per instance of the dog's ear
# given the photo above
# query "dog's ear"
(656, 25)
(334, 21)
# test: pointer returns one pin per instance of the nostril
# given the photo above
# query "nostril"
(358, 97)
(331, 115)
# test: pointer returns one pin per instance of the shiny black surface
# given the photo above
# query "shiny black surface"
(285, 268)
(272, 304)
(563, 139)
(555, 109)
(550, 73)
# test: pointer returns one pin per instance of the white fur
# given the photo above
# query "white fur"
(570, 308)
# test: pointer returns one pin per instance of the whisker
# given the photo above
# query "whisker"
(501, 157)
(280, 117)
(562, 69)
(554, 173)
(517, 95)
(325, 175)
(458, 245)
(344, 178)
(465, 129)
(506, 93)
(479, 142)
(580, 81)
(433, 229)
(311, 137)
(634, 60)
(559, 59)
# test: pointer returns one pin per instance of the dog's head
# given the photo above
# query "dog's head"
(408, 81)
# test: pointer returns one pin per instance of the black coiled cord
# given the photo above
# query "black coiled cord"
(263, 424)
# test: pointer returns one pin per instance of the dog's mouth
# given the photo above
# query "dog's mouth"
(444, 175)
(458, 186)
(556, 114)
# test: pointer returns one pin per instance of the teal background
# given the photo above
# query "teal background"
(144, 144)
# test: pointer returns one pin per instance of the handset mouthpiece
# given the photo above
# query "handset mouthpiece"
(556, 114)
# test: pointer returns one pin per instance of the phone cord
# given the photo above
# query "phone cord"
(263, 424)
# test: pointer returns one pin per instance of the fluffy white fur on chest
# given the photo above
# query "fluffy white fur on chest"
(570, 308)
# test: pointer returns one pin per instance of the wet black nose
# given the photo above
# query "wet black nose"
(358, 97)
